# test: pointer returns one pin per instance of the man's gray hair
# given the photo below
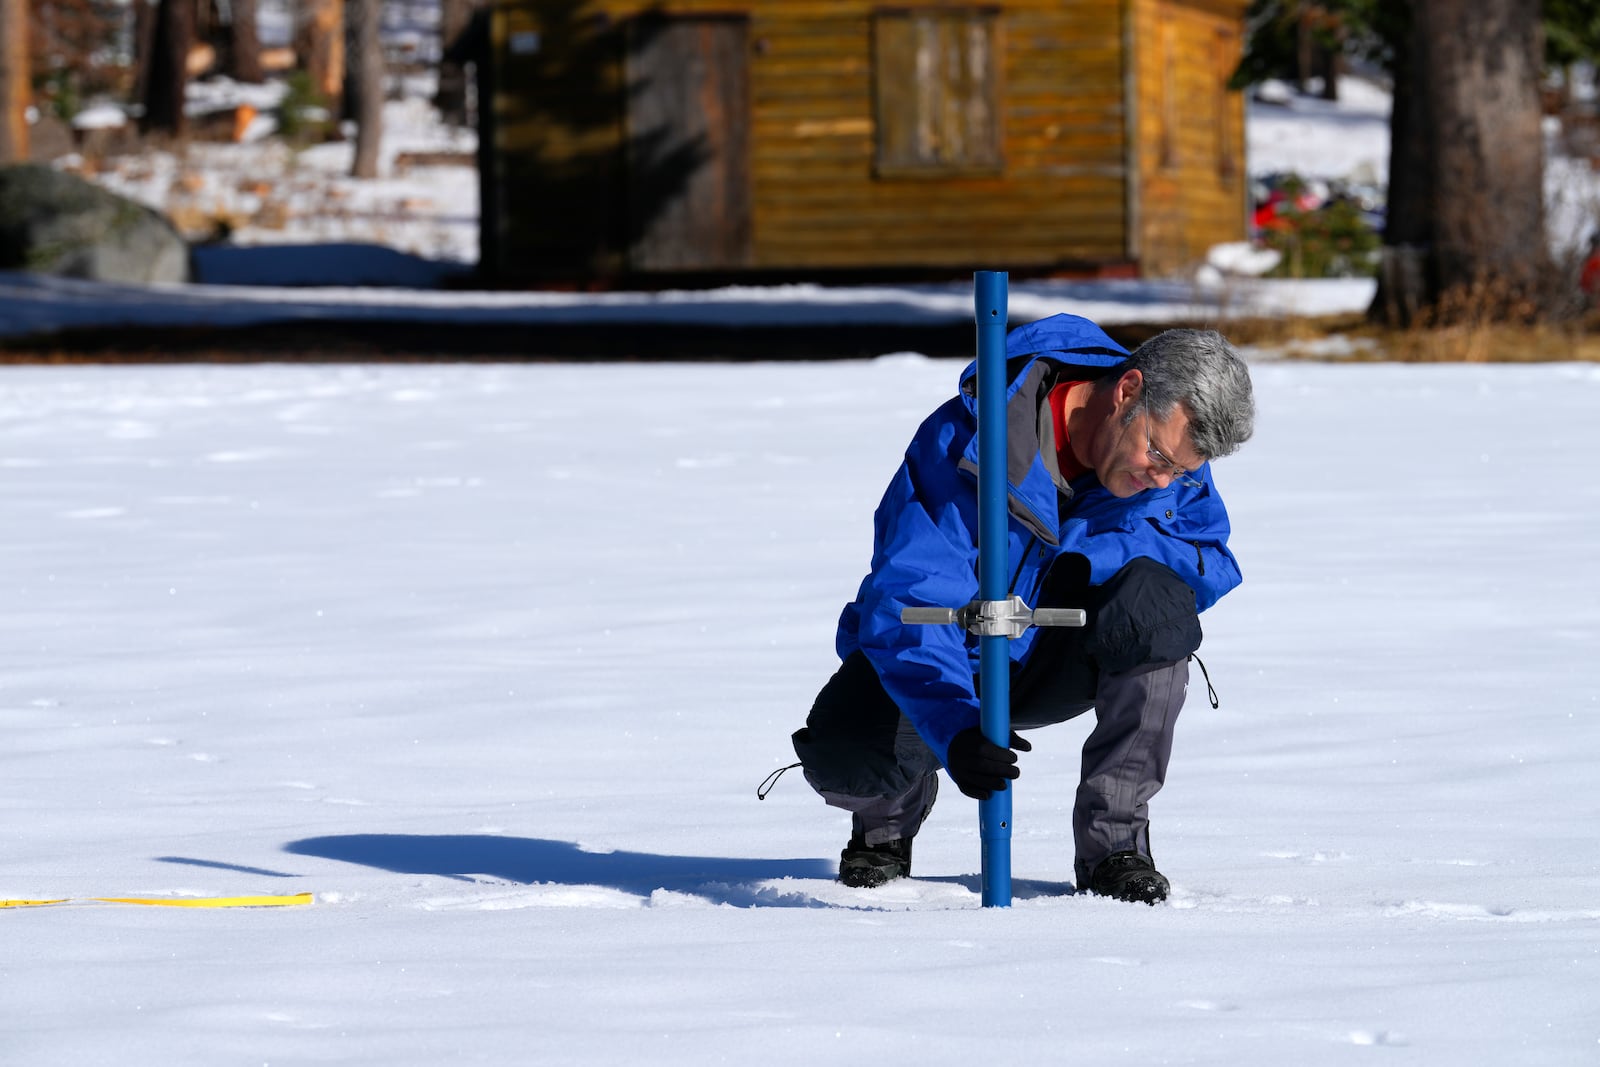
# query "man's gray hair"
(1200, 370)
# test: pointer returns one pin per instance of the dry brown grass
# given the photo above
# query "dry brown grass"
(1491, 343)
(1470, 339)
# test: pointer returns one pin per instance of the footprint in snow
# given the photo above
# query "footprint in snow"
(1207, 1005)
(1310, 857)
(1385, 1038)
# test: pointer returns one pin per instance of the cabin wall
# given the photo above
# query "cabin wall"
(836, 155)
(1056, 196)
(1191, 181)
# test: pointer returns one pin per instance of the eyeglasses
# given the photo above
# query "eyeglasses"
(1159, 459)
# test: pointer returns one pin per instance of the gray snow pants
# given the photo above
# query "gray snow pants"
(1129, 665)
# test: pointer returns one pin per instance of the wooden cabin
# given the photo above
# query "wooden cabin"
(625, 141)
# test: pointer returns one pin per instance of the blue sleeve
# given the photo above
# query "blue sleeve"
(925, 555)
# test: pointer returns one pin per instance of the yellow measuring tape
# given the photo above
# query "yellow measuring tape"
(172, 902)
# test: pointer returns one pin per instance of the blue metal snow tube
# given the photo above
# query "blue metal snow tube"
(994, 658)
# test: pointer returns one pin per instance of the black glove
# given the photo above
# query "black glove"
(978, 766)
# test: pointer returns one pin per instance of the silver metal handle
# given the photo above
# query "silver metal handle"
(995, 618)
(928, 616)
(1060, 617)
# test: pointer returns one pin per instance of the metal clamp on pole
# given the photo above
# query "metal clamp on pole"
(995, 618)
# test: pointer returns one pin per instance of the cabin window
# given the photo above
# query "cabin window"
(936, 76)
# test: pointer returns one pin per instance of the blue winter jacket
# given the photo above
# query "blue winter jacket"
(925, 531)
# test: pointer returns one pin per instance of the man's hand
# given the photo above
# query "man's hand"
(978, 766)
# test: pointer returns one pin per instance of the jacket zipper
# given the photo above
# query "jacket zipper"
(1199, 558)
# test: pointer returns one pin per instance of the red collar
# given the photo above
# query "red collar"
(1067, 462)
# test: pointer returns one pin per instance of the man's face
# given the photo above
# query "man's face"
(1142, 452)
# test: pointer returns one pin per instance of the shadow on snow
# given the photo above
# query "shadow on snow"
(530, 861)
(471, 857)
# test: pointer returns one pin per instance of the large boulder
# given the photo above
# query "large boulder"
(52, 222)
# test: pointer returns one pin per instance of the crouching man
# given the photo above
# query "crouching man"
(1112, 509)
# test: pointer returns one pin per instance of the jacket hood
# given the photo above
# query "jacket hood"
(1070, 338)
(1036, 355)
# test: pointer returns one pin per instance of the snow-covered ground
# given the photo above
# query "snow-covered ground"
(490, 659)
(266, 193)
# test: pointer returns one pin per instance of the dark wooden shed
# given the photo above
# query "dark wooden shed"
(632, 141)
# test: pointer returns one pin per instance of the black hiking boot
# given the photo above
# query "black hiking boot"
(864, 867)
(1129, 876)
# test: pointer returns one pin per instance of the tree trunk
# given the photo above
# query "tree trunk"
(366, 85)
(1305, 48)
(1483, 66)
(1330, 65)
(244, 51)
(13, 81)
(1403, 286)
(319, 47)
(144, 43)
(167, 80)
(451, 96)
(1464, 231)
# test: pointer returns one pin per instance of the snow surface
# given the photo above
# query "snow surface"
(491, 659)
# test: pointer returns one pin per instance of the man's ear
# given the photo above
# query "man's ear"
(1129, 388)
